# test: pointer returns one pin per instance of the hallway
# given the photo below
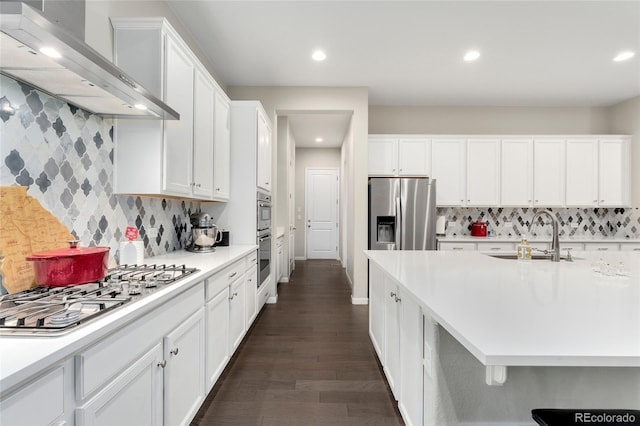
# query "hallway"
(307, 360)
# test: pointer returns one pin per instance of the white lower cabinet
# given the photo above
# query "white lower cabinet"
(236, 314)
(46, 392)
(134, 398)
(251, 288)
(395, 328)
(184, 373)
(392, 314)
(217, 337)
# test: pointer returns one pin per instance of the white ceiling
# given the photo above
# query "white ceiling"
(330, 126)
(534, 53)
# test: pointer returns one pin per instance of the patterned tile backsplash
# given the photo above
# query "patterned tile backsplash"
(591, 223)
(64, 155)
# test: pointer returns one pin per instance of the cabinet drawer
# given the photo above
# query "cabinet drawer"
(457, 246)
(630, 246)
(601, 246)
(222, 279)
(102, 362)
(40, 403)
(251, 260)
(496, 246)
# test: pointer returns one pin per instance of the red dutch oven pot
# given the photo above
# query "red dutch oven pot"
(70, 266)
(478, 229)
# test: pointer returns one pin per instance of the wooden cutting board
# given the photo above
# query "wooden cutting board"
(25, 228)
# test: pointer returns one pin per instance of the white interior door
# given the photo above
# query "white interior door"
(322, 206)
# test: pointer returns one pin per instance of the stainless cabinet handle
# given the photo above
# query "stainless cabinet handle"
(233, 275)
(495, 248)
(636, 249)
(603, 248)
(218, 189)
(458, 248)
(602, 201)
(595, 201)
(398, 299)
(392, 294)
(162, 364)
(175, 351)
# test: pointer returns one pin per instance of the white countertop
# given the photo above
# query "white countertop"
(535, 313)
(24, 356)
(538, 238)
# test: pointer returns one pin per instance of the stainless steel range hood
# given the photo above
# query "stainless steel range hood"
(80, 76)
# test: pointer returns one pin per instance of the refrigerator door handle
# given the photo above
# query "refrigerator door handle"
(398, 224)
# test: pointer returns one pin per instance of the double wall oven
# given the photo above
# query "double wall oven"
(264, 236)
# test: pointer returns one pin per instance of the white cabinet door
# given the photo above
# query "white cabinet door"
(221, 147)
(250, 295)
(203, 135)
(178, 144)
(548, 172)
(614, 178)
(184, 373)
(582, 172)
(414, 157)
(448, 167)
(134, 398)
(411, 336)
(392, 335)
(376, 309)
(516, 172)
(264, 153)
(383, 157)
(40, 403)
(236, 314)
(217, 336)
(483, 172)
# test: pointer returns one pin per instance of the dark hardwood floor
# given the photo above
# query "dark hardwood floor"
(307, 360)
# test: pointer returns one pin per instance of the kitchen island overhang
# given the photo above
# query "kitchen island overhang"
(526, 313)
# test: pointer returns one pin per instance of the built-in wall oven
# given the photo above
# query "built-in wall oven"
(264, 236)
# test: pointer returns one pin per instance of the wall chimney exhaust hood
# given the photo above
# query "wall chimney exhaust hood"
(70, 70)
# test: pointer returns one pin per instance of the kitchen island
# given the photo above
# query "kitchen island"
(553, 335)
(133, 354)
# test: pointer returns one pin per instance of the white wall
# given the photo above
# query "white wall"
(479, 120)
(353, 99)
(624, 118)
(306, 158)
(99, 33)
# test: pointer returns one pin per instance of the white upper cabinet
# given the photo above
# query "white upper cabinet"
(264, 153)
(222, 147)
(399, 157)
(483, 172)
(203, 134)
(614, 186)
(448, 167)
(597, 172)
(582, 172)
(383, 157)
(176, 157)
(548, 172)
(516, 172)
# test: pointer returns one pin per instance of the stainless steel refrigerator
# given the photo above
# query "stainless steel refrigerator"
(402, 214)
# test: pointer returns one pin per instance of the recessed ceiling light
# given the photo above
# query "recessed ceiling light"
(319, 140)
(51, 52)
(319, 56)
(623, 56)
(141, 107)
(471, 55)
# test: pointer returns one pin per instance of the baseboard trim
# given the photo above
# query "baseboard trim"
(300, 258)
(359, 300)
(273, 299)
(284, 280)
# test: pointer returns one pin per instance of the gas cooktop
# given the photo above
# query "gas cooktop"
(53, 311)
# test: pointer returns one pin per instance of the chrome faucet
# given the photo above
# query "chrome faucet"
(555, 242)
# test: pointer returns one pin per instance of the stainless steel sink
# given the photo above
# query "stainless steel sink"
(534, 256)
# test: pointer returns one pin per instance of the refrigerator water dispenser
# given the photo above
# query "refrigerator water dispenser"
(386, 229)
